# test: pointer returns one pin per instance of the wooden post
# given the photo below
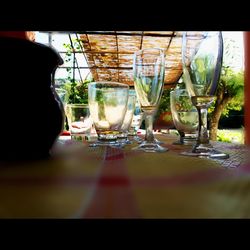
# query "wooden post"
(247, 87)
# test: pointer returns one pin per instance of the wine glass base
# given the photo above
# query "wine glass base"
(158, 142)
(207, 153)
(150, 147)
(135, 138)
(124, 141)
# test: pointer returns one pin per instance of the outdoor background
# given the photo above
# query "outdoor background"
(231, 124)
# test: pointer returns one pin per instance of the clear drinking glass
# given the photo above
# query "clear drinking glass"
(185, 116)
(123, 136)
(149, 72)
(202, 60)
(108, 105)
(79, 120)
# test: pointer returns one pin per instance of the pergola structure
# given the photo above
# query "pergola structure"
(109, 54)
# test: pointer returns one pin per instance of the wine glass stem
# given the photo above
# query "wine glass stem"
(182, 135)
(202, 127)
(149, 118)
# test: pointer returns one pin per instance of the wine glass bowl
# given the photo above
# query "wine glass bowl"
(202, 61)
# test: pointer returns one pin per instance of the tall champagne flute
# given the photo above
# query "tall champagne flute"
(202, 54)
(149, 72)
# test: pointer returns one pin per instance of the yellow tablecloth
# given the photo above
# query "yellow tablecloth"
(84, 182)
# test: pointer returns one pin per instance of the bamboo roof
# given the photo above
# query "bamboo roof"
(109, 54)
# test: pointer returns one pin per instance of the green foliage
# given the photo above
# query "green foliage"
(76, 92)
(231, 83)
(184, 103)
(234, 82)
(232, 79)
(231, 136)
(164, 105)
(70, 49)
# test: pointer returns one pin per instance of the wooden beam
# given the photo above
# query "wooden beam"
(111, 67)
(110, 33)
(123, 34)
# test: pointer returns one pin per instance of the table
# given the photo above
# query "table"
(83, 182)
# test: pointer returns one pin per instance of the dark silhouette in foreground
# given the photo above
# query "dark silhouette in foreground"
(32, 115)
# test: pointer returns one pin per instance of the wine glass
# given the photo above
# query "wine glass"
(202, 60)
(148, 73)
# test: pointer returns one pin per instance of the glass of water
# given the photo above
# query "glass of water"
(79, 120)
(108, 106)
(185, 116)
